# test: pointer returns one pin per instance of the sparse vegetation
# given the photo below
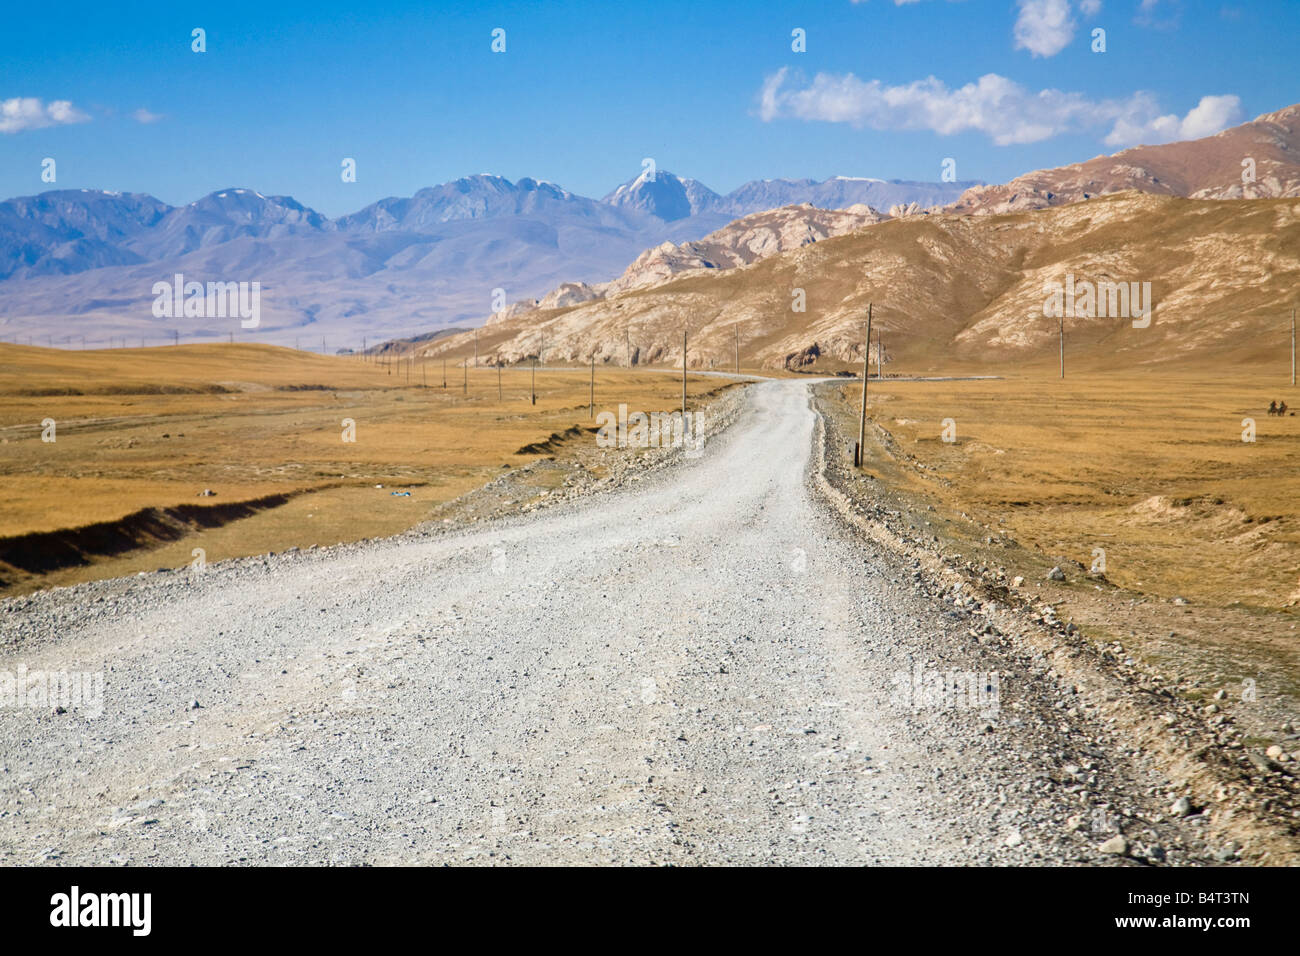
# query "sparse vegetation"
(153, 428)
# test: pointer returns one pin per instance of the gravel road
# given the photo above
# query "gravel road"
(695, 668)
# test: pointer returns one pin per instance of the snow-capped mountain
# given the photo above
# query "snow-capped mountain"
(84, 261)
(839, 192)
(671, 198)
(662, 194)
(483, 196)
(224, 215)
(71, 230)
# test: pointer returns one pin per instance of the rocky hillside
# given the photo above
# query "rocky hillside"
(741, 243)
(946, 289)
(1210, 168)
(82, 263)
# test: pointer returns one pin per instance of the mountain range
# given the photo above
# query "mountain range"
(1210, 227)
(484, 249)
(79, 263)
(947, 290)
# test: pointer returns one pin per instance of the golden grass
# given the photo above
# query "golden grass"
(1149, 466)
(141, 428)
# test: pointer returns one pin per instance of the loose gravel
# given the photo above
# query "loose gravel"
(705, 665)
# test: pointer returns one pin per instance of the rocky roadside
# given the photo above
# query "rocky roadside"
(572, 468)
(572, 465)
(1057, 776)
(1243, 800)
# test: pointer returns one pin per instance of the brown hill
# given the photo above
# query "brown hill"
(741, 242)
(951, 289)
(1210, 168)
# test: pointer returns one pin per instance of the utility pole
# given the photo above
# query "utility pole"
(1293, 346)
(476, 348)
(176, 337)
(683, 378)
(444, 372)
(465, 387)
(862, 421)
(498, 378)
(1062, 336)
(534, 381)
(880, 355)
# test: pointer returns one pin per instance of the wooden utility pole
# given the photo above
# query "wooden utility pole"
(880, 355)
(534, 385)
(1062, 337)
(591, 405)
(862, 420)
(424, 375)
(498, 378)
(444, 372)
(465, 387)
(683, 378)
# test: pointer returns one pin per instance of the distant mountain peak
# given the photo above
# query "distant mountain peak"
(663, 194)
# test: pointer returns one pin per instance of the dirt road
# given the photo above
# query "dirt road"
(702, 667)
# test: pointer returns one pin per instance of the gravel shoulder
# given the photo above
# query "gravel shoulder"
(701, 662)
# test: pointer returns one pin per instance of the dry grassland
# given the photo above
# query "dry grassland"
(141, 429)
(1200, 530)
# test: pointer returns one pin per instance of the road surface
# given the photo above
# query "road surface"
(697, 668)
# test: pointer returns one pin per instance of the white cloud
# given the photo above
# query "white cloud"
(1000, 108)
(1161, 14)
(143, 115)
(28, 112)
(1146, 125)
(1044, 27)
(1090, 8)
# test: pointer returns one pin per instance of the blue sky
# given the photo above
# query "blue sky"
(584, 91)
